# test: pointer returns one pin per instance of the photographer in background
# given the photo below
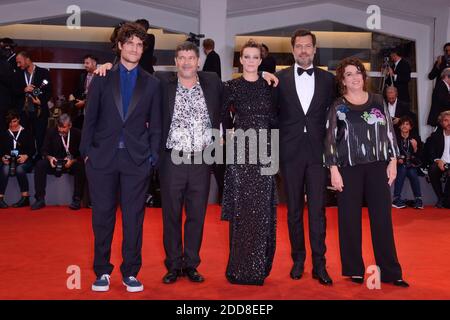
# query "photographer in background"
(438, 155)
(7, 53)
(410, 146)
(440, 100)
(90, 64)
(33, 90)
(16, 150)
(441, 63)
(399, 75)
(61, 155)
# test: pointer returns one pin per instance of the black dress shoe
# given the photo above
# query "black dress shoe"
(401, 283)
(171, 276)
(297, 271)
(39, 204)
(3, 204)
(357, 279)
(193, 275)
(75, 205)
(23, 202)
(323, 277)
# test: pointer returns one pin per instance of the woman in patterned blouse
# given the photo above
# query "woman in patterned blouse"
(361, 152)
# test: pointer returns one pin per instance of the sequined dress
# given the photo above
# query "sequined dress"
(249, 198)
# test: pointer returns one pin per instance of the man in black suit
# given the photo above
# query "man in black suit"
(212, 62)
(398, 109)
(90, 64)
(61, 143)
(7, 47)
(440, 100)
(400, 74)
(146, 61)
(34, 108)
(268, 62)
(437, 151)
(441, 63)
(304, 94)
(192, 103)
(6, 96)
(120, 143)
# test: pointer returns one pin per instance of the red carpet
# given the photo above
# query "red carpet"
(37, 247)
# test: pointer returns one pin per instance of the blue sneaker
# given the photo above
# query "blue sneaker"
(418, 203)
(132, 284)
(398, 203)
(102, 283)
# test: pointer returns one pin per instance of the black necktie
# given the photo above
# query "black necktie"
(309, 71)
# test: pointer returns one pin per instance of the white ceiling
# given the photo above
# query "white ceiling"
(411, 8)
(428, 8)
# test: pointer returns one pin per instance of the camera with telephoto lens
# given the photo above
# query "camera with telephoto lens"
(12, 158)
(60, 163)
(195, 38)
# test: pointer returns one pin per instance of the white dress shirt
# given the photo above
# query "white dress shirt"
(395, 68)
(446, 155)
(392, 108)
(305, 85)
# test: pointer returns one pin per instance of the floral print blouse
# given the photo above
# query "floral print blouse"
(359, 134)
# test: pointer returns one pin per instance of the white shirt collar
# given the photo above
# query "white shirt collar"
(393, 104)
(398, 61)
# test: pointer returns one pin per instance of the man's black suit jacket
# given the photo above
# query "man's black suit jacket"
(434, 146)
(104, 122)
(212, 89)
(440, 102)
(212, 63)
(53, 145)
(292, 120)
(403, 72)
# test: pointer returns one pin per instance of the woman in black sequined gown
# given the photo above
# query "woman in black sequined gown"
(249, 199)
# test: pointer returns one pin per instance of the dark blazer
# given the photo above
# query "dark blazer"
(104, 122)
(79, 91)
(146, 61)
(53, 145)
(25, 143)
(292, 119)
(402, 109)
(434, 146)
(403, 72)
(440, 102)
(437, 69)
(39, 75)
(268, 64)
(212, 89)
(212, 63)
(6, 96)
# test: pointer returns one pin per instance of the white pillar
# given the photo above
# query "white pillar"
(213, 21)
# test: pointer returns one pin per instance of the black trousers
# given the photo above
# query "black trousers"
(123, 183)
(43, 168)
(435, 175)
(38, 126)
(367, 181)
(183, 185)
(301, 176)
